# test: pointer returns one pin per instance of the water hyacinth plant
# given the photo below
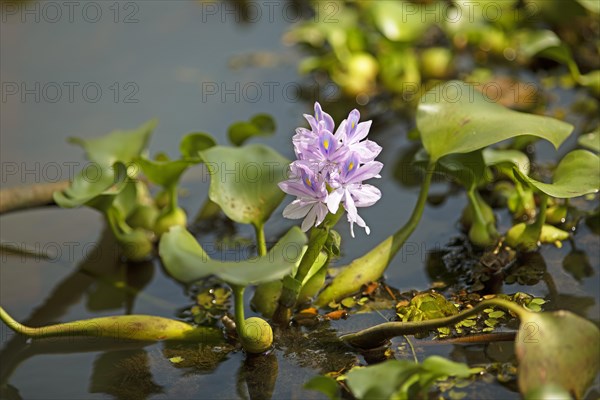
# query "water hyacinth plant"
(330, 170)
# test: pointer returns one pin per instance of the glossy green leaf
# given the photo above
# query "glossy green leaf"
(396, 24)
(494, 157)
(403, 379)
(94, 186)
(591, 5)
(558, 348)
(163, 173)
(244, 181)
(324, 384)
(259, 125)
(591, 140)
(468, 168)
(187, 261)
(193, 143)
(532, 42)
(120, 145)
(577, 174)
(455, 118)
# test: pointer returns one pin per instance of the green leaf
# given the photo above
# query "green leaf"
(94, 186)
(244, 181)
(507, 157)
(118, 145)
(259, 125)
(455, 118)
(591, 140)
(402, 377)
(367, 382)
(590, 5)
(577, 174)
(193, 143)
(324, 384)
(164, 173)
(396, 24)
(467, 168)
(187, 261)
(531, 42)
(558, 348)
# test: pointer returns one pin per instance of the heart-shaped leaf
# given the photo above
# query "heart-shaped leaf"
(244, 181)
(577, 174)
(557, 348)
(164, 173)
(122, 146)
(187, 261)
(259, 125)
(455, 118)
(193, 143)
(94, 186)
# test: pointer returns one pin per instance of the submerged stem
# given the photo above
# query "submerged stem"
(379, 334)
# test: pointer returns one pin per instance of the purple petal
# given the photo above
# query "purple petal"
(334, 199)
(314, 124)
(358, 133)
(364, 195)
(321, 115)
(296, 209)
(322, 212)
(309, 221)
(367, 150)
(366, 171)
(296, 187)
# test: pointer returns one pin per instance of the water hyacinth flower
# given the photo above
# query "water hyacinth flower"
(330, 170)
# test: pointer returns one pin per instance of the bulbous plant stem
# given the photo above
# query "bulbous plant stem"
(378, 335)
(372, 265)
(255, 334)
(121, 327)
(292, 286)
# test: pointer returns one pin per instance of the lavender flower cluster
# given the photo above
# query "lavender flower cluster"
(330, 169)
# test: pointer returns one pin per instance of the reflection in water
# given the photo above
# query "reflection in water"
(101, 267)
(259, 373)
(124, 375)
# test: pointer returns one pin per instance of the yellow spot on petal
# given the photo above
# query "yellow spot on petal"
(350, 166)
(326, 144)
(308, 182)
(353, 124)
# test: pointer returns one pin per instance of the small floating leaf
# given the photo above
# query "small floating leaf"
(259, 125)
(193, 143)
